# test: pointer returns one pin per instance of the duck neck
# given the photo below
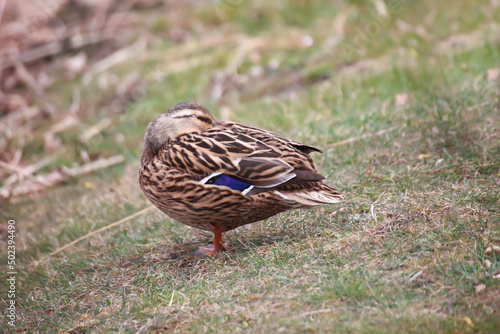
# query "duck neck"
(148, 154)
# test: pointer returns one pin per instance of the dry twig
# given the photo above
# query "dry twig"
(41, 182)
(88, 235)
(95, 129)
(56, 47)
(368, 135)
(21, 173)
(26, 77)
(120, 56)
(13, 119)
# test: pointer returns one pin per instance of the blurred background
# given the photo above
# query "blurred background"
(81, 79)
(401, 95)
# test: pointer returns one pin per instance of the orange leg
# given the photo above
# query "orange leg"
(217, 246)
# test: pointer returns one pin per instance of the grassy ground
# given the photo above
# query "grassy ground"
(405, 252)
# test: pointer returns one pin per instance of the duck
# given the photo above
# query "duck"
(219, 175)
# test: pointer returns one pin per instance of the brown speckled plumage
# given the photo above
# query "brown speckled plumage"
(185, 146)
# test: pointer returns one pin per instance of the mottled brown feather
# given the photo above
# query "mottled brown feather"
(281, 170)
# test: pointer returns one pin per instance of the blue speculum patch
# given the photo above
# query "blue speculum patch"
(224, 180)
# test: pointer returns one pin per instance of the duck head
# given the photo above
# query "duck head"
(181, 119)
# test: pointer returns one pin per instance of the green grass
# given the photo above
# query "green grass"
(403, 253)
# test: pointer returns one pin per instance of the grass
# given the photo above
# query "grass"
(403, 253)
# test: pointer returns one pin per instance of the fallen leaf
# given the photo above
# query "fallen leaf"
(468, 321)
(307, 41)
(490, 250)
(76, 63)
(487, 263)
(381, 8)
(479, 288)
(414, 53)
(424, 156)
(493, 74)
(401, 99)
(338, 24)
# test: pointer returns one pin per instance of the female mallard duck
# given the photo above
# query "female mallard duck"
(217, 176)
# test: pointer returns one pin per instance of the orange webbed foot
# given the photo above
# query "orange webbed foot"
(211, 250)
(217, 246)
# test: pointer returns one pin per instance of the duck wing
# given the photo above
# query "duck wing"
(267, 136)
(259, 158)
